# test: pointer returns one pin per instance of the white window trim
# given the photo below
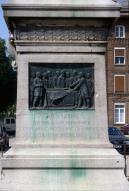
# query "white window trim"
(123, 31)
(124, 113)
(115, 83)
(116, 48)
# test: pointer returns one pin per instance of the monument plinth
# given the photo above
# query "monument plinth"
(61, 138)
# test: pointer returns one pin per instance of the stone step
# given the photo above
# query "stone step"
(62, 158)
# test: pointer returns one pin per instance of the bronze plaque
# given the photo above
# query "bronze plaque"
(61, 86)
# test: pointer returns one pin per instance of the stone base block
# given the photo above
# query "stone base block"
(67, 169)
(63, 180)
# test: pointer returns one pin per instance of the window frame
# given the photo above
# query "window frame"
(115, 81)
(119, 26)
(119, 122)
(117, 48)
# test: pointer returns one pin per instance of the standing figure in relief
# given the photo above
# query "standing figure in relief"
(81, 86)
(61, 80)
(50, 76)
(32, 87)
(90, 88)
(44, 79)
(55, 79)
(75, 76)
(67, 80)
(38, 91)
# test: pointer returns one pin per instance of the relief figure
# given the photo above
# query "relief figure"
(61, 80)
(32, 87)
(67, 80)
(90, 88)
(81, 86)
(55, 79)
(38, 90)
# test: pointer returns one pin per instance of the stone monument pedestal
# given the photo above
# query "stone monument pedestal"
(61, 139)
(41, 169)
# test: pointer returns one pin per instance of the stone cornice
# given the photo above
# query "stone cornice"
(68, 11)
(70, 6)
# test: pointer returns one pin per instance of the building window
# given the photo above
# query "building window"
(119, 83)
(119, 56)
(119, 113)
(120, 31)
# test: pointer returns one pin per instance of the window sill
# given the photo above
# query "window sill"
(120, 64)
(123, 123)
(119, 37)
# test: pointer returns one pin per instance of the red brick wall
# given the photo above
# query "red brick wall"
(117, 70)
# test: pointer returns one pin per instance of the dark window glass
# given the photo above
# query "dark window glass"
(8, 121)
(119, 60)
(12, 121)
(120, 31)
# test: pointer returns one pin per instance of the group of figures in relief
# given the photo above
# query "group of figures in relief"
(55, 86)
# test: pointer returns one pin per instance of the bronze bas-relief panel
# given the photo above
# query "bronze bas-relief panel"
(61, 86)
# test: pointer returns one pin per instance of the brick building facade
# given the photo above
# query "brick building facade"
(118, 70)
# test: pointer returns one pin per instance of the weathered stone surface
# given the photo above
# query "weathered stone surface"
(77, 3)
(63, 8)
(69, 126)
(40, 169)
(64, 179)
(46, 157)
(59, 149)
